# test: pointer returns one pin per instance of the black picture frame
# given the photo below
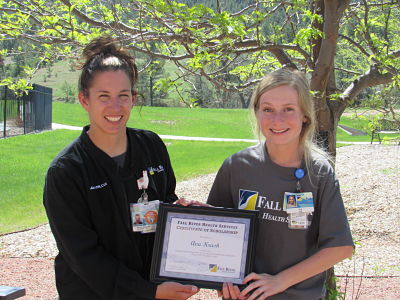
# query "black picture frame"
(11, 292)
(196, 220)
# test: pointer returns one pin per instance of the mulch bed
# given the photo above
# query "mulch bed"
(37, 276)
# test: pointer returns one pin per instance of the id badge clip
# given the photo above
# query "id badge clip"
(143, 183)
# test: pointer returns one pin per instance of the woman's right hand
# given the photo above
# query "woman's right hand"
(174, 290)
(184, 202)
(229, 291)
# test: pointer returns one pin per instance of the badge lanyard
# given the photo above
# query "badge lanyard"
(143, 183)
(299, 174)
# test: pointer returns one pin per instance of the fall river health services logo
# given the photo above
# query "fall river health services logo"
(247, 199)
(213, 267)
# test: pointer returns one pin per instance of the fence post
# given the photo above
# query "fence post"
(5, 111)
(23, 112)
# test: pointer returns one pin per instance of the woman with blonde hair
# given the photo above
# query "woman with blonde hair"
(293, 248)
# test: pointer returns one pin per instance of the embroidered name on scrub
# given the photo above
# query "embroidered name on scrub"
(99, 186)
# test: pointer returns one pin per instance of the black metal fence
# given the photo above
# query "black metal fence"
(24, 114)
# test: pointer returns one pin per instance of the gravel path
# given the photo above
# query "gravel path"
(369, 176)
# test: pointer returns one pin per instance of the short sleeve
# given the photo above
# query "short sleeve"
(334, 230)
(220, 194)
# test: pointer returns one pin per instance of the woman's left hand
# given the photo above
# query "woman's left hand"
(262, 286)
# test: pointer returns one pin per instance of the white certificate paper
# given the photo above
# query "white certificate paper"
(205, 249)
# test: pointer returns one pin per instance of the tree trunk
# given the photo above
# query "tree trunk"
(151, 91)
(245, 103)
(330, 284)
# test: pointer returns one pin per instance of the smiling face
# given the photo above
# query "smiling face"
(109, 102)
(137, 218)
(279, 117)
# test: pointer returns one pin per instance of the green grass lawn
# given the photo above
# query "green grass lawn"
(357, 123)
(24, 159)
(193, 158)
(203, 122)
(23, 171)
(360, 124)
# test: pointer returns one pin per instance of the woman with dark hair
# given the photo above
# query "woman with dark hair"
(96, 184)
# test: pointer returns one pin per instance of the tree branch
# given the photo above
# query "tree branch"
(357, 45)
(283, 59)
(372, 77)
(13, 11)
(395, 54)
(348, 71)
(96, 23)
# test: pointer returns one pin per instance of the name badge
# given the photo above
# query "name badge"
(299, 207)
(298, 221)
(144, 216)
(298, 202)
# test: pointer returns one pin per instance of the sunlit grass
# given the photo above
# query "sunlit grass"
(24, 161)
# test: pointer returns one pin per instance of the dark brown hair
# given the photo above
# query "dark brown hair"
(106, 54)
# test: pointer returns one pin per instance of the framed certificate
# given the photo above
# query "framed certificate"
(204, 246)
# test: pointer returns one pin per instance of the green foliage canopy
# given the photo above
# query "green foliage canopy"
(246, 43)
(347, 46)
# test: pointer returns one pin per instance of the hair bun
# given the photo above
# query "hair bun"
(96, 55)
(103, 45)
